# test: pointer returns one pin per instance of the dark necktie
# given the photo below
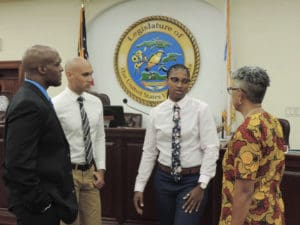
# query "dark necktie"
(176, 135)
(86, 132)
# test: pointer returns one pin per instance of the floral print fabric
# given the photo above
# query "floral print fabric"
(256, 152)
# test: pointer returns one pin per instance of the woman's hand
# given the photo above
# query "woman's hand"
(138, 201)
(193, 200)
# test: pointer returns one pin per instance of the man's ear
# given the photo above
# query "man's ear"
(41, 69)
(68, 74)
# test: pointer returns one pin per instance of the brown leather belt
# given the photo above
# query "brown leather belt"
(185, 171)
(81, 167)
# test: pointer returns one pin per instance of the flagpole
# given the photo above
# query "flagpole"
(82, 39)
(82, 42)
(228, 38)
(230, 115)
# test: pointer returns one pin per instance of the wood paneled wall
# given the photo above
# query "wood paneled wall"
(124, 148)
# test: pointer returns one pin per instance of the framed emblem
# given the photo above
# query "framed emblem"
(146, 50)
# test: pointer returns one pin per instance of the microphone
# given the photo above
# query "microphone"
(125, 102)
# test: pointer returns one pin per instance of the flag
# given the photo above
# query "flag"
(228, 116)
(82, 42)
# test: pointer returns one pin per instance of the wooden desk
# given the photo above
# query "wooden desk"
(290, 187)
(124, 148)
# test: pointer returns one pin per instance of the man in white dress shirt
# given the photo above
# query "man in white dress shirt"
(181, 176)
(3, 104)
(88, 177)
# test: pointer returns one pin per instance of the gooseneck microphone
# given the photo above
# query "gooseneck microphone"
(125, 102)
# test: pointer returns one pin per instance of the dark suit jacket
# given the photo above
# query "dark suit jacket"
(37, 166)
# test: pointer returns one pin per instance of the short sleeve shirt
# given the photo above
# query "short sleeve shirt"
(256, 152)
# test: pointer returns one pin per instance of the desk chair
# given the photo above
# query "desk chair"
(103, 97)
(286, 130)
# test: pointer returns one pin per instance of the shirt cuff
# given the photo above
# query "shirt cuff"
(139, 187)
(204, 179)
(100, 165)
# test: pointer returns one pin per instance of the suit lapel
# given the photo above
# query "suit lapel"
(46, 101)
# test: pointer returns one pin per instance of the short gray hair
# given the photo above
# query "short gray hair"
(254, 81)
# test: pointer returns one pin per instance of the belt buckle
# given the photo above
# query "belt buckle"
(87, 166)
(178, 170)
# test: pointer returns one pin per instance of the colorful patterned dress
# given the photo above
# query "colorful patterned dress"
(256, 152)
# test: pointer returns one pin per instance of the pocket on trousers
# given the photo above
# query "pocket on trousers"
(69, 209)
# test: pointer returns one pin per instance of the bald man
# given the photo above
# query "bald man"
(37, 166)
(88, 176)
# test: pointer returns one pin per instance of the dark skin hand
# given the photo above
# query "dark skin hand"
(138, 201)
(193, 200)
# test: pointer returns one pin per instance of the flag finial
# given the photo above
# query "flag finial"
(83, 3)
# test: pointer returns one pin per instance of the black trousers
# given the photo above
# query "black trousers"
(26, 217)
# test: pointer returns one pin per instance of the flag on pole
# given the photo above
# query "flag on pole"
(228, 116)
(82, 42)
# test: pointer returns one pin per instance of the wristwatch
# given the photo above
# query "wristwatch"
(202, 185)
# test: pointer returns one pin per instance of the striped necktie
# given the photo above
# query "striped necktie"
(176, 135)
(86, 132)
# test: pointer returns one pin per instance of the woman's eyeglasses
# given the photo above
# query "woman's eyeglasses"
(230, 89)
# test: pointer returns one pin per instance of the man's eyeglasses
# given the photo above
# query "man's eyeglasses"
(230, 89)
(176, 80)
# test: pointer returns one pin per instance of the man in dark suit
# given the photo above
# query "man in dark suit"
(37, 167)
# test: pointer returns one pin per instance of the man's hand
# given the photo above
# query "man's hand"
(138, 201)
(193, 200)
(99, 179)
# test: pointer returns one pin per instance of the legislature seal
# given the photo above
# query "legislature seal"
(146, 50)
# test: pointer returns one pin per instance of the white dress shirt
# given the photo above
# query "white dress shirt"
(68, 112)
(3, 103)
(199, 139)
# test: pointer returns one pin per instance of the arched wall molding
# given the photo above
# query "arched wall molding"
(205, 22)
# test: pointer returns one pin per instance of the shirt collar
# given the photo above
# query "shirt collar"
(74, 96)
(181, 103)
(40, 87)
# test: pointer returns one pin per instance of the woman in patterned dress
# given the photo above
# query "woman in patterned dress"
(254, 161)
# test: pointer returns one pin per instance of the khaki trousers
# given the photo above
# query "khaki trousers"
(88, 198)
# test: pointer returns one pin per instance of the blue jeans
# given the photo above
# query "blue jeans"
(169, 198)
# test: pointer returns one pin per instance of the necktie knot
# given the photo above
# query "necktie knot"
(80, 99)
(176, 112)
(176, 107)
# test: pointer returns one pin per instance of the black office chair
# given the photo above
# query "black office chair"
(103, 97)
(285, 124)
